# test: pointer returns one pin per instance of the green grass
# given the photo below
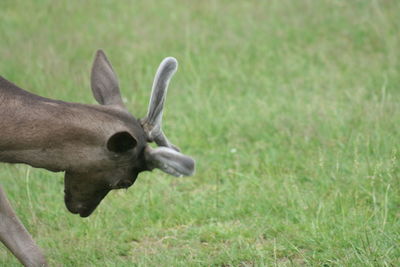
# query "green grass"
(291, 109)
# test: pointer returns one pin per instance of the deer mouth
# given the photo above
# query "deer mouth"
(81, 210)
(84, 209)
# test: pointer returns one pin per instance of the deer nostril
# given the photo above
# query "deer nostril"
(79, 206)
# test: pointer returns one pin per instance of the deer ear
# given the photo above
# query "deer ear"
(104, 82)
(121, 142)
(169, 161)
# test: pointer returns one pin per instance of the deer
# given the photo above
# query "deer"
(100, 147)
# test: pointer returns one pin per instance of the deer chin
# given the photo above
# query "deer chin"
(86, 213)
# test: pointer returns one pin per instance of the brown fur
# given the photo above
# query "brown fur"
(99, 147)
(70, 137)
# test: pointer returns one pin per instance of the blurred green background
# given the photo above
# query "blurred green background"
(291, 109)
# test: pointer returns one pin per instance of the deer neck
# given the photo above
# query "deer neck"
(50, 134)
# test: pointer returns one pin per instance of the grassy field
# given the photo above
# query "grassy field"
(291, 109)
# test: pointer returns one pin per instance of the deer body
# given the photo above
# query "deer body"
(99, 147)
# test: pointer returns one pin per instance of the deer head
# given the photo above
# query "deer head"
(125, 151)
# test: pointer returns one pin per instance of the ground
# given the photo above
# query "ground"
(291, 109)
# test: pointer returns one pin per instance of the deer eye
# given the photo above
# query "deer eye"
(124, 184)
